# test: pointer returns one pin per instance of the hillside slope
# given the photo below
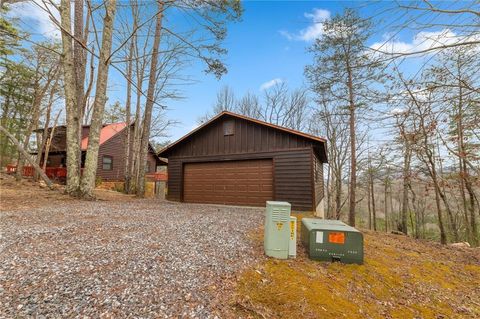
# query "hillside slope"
(401, 278)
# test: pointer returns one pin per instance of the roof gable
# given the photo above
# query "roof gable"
(319, 142)
(106, 133)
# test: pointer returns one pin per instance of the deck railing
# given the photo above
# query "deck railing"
(157, 176)
(61, 173)
(29, 171)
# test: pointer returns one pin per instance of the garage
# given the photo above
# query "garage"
(236, 160)
(248, 182)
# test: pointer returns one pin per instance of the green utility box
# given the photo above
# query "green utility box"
(332, 240)
(277, 229)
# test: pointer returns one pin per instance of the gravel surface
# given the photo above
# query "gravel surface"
(139, 259)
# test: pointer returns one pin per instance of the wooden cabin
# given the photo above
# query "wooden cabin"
(111, 153)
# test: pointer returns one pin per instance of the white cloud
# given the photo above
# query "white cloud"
(421, 41)
(397, 111)
(314, 30)
(34, 15)
(269, 84)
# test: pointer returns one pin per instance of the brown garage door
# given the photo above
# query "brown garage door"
(231, 182)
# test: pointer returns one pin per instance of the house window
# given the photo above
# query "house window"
(229, 127)
(107, 163)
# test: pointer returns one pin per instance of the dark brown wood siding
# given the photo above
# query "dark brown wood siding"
(293, 178)
(115, 147)
(318, 179)
(292, 175)
(248, 137)
(292, 157)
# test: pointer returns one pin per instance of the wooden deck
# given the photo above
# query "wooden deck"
(57, 173)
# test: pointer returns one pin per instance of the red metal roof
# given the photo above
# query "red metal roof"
(107, 132)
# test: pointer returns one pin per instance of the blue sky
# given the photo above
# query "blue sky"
(257, 53)
(268, 44)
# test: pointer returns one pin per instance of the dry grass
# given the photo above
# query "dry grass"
(401, 278)
(27, 194)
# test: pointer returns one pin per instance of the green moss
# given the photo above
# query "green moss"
(401, 278)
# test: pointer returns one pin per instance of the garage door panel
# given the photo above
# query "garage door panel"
(231, 182)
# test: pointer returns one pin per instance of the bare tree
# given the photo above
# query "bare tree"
(88, 179)
(329, 121)
(42, 141)
(46, 71)
(459, 25)
(72, 118)
(49, 134)
(280, 106)
(147, 119)
(249, 105)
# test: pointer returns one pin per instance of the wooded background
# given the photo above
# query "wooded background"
(423, 182)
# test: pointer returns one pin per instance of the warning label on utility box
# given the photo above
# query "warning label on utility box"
(319, 237)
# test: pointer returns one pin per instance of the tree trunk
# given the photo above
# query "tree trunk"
(338, 195)
(128, 115)
(465, 183)
(73, 122)
(433, 175)
(48, 111)
(137, 128)
(27, 157)
(443, 237)
(33, 123)
(453, 224)
(369, 205)
(406, 174)
(80, 64)
(374, 211)
(49, 141)
(473, 221)
(415, 208)
(443, 196)
(386, 182)
(149, 104)
(91, 162)
(353, 159)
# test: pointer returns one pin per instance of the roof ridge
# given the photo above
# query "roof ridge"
(240, 116)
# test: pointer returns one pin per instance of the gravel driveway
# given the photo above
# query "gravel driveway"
(141, 258)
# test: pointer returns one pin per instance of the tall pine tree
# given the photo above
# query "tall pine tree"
(344, 71)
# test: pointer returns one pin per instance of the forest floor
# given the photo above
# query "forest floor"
(400, 278)
(121, 256)
(27, 194)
